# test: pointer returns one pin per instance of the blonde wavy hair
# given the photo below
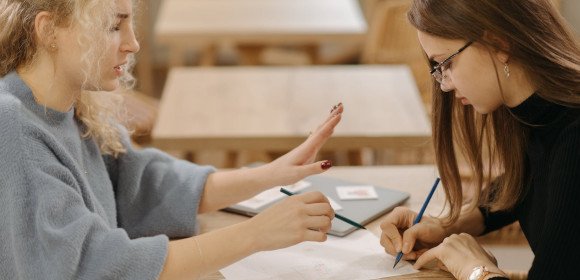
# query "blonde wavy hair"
(99, 111)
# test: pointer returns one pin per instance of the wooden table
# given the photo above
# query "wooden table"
(417, 180)
(184, 24)
(274, 108)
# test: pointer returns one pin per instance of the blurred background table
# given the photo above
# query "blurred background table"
(274, 109)
(251, 25)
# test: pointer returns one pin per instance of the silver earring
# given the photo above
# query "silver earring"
(506, 70)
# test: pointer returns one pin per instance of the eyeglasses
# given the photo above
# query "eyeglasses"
(437, 70)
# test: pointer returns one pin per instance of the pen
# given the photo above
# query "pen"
(420, 215)
(343, 218)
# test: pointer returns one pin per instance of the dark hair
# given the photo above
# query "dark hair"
(538, 39)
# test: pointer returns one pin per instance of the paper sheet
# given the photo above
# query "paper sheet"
(355, 256)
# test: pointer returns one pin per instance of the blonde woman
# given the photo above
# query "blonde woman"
(78, 202)
(506, 78)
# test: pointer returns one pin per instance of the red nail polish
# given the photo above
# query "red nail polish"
(326, 164)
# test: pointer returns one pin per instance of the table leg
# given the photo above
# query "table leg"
(250, 54)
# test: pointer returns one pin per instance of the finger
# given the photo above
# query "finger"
(427, 257)
(387, 243)
(401, 217)
(325, 130)
(320, 223)
(315, 168)
(391, 233)
(336, 109)
(410, 256)
(314, 235)
(420, 252)
(410, 237)
(320, 209)
(312, 197)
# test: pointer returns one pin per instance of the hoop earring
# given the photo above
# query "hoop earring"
(506, 70)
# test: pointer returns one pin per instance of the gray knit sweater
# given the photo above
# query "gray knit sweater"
(68, 212)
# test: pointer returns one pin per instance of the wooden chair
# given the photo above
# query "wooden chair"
(144, 66)
(141, 111)
(392, 40)
(141, 105)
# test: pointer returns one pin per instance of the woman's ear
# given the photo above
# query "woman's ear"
(501, 47)
(44, 29)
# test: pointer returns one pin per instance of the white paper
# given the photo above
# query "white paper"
(359, 255)
(356, 192)
(273, 194)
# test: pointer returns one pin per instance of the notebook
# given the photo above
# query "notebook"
(360, 211)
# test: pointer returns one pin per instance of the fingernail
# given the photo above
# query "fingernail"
(326, 164)
(406, 248)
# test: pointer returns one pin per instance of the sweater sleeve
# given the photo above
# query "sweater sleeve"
(556, 253)
(496, 220)
(156, 193)
(46, 229)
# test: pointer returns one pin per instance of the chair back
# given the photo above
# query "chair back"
(392, 39)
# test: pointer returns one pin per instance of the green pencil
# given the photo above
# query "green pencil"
(340, 217)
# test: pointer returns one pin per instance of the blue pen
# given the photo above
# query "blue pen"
(420, 215)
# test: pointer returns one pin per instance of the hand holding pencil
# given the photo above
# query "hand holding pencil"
(402, 232)
(340, 217)
(303, 217)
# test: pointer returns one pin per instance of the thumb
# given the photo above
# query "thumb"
(317, 167)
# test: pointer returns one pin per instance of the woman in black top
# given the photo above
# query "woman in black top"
(507, 97)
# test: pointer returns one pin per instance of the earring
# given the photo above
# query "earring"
(53, 46)
(506, 70)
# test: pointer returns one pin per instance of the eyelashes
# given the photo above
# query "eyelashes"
(433, 63)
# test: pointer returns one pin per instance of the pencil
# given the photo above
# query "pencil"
(340, 217)
(420, 215)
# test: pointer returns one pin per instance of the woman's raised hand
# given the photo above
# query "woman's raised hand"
(299, 163)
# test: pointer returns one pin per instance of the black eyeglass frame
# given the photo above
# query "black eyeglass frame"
(437, 68)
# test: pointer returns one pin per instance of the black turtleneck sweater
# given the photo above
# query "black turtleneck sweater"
(549, 212)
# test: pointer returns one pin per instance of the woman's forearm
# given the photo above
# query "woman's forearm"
(196, 256)
(224, 188)
(470, 221)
